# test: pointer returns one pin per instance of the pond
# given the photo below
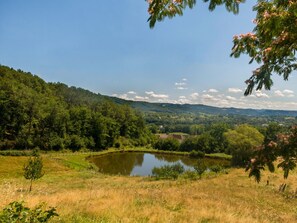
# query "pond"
(141, 164)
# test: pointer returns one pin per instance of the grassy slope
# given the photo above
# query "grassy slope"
(81, 195)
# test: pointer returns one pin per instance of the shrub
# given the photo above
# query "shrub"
(200, 168)
(216, 168)
(17, 212)
(189, 144)
(76, 143)
(168, 144)
(168, 171)
(196, 154)
(188, 174)
(15, 153)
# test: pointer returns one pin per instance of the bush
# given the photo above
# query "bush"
(200, 168)
(168, 171)
(168, 144)
(241, 157)
(189, 144)
(189, 175)
(197, 154)
(15, 153)
(216, 168)
(17, 212)
(76, 143)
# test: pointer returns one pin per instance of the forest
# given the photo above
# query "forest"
(53, 116)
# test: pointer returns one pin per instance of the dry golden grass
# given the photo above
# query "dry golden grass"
(84, 196)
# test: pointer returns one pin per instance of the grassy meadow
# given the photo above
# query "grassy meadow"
(80, 194)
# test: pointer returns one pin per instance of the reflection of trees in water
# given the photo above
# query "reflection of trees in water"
(166, 157)
(118, 163)
(191, 161)
(123, 163)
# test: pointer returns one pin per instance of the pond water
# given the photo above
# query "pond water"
(141, 164)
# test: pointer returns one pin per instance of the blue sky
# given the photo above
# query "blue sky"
(108, 48)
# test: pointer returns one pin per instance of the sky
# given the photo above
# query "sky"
(108, 48)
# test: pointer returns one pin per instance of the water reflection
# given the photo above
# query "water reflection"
(138, 163)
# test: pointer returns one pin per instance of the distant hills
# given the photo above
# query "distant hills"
(199, 108)
(79, 96)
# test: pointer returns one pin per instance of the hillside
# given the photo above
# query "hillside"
(53, 116)
(199, 108)
(25, 86)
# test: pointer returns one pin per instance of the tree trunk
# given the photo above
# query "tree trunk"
(30, 185)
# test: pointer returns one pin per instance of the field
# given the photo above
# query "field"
(80, 194)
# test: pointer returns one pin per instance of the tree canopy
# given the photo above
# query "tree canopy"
(272, 43)
(54, 116)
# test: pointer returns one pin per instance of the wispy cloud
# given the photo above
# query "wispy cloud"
(278, 99)
(208, 97)
(194, 95)
(230, 98)
(284, 93)
(260, 94)
(212, 90)
(234, 90)
(288, 91)
(140, 98)
(278, 93)
(159, 96)
(180, 84)
(181, 88)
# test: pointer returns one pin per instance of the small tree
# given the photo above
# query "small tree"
(200, 168)
(33, 168)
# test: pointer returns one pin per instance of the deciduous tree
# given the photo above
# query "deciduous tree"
(272, 43)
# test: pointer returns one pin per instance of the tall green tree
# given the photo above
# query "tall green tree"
(242, 143)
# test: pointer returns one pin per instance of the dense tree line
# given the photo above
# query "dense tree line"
(54, 116)
(243, 142)
(197, 123)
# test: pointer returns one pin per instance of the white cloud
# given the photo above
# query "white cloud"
(184, 79)
(230, 98)
(123, 96)
(207, 97)
(181, 88)
(278, 99)
(260, 94)
(140, 98)
(213, 90)
(180, 84)
(234, 90)
(194, 95)
(153, 95)
(278, 93)
(183, 101)
(286, 91)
